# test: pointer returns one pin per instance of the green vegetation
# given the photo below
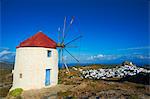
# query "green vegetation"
(133, 97)
(16, 92)
(59, 81)
(64, 93)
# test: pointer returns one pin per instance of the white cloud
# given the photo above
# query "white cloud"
(5, 58)
(103, 57)
(100, 56)
(142, 57)
(117, 57)
(136, 48)
(4, 52)
(6, 55)
(4, 48)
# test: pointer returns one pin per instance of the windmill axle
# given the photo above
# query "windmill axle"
(60, 45)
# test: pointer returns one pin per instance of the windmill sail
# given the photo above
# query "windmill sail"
(61, 43)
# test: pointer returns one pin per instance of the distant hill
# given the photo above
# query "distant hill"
(146, 66)
(5, 65)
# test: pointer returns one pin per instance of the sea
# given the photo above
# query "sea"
(60, 65)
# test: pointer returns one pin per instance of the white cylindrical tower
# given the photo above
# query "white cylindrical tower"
(36, 63)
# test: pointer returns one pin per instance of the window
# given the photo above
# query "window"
(20, 75)
(48, 53)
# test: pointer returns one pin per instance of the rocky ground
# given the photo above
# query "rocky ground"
(73, 85)
(5, 81)
(91, 90)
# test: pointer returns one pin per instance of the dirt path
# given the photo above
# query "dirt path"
(46, 93)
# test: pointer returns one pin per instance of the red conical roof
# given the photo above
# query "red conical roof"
(38, 40)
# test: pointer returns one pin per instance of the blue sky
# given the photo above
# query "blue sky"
(113, 30)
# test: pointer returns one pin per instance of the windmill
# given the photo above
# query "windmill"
(62, 45)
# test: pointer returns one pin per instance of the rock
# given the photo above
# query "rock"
(74, 68)
(103, 77)
(80, 69)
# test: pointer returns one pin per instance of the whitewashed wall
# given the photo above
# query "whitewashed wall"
(32, 62)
